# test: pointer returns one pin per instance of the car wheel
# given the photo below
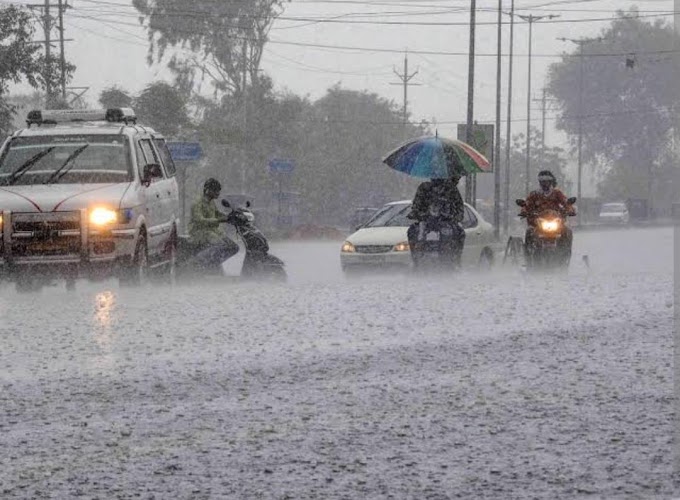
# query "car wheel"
(136, 272)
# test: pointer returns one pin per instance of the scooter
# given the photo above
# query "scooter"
(258, 262)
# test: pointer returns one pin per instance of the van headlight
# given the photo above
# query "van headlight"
(103, 217)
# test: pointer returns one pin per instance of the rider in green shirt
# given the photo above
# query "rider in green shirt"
(206, 230)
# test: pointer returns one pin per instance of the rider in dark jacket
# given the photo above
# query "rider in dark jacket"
(438, 202)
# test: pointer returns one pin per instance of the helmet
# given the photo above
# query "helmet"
(546, 180)
(212, 185)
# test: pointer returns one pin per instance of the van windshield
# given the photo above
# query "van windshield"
(66, 159)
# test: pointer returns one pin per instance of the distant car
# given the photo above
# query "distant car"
(614, 213)
(382, 242)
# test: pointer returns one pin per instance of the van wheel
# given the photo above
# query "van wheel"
(137, 271)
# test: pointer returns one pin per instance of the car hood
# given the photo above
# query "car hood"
(64, 197)
(378, 236)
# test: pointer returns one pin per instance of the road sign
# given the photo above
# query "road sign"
(185, 151)
(280, 166)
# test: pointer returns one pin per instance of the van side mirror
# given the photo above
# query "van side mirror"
(151, 171)
(248, 205)
(225, 204)
(520, 203)
(572, 200)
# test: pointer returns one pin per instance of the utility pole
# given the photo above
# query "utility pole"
(497, 153)
(61, 46)
(508, 127)
(405, 80)
(245, 116)
(47, 27)
(531, 19)
(581, 42)
(470, 194)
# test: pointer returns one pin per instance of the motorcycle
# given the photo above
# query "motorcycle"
(435, 242)
(258, 262)
(546, 252)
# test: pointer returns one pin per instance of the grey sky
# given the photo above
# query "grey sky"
(111, 48)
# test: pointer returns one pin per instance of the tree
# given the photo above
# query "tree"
(18, 57)
(337, 144)
(629, 97)
(115, 97)
(227, 38)
(163, 107)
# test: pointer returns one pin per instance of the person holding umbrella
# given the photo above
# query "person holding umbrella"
(437, 205)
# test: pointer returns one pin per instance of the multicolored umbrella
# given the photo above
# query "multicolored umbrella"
(437, 158)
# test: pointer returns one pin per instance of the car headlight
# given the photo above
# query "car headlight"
(550, 225)
(347, 247)
(402, 247)
(103, 217)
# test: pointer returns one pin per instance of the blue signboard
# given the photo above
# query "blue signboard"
(278, 166)
(185, 151)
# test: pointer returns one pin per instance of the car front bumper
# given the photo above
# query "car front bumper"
(356, 260)
(50, 242)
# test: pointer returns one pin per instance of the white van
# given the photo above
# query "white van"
(86, 194)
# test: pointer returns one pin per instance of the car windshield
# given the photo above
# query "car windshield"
(613, 207)
(66, 159)
(391, 216)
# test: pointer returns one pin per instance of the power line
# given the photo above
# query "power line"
(398, 51)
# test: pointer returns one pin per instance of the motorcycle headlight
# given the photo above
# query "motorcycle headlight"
(103, 217)
(402, 247)
(550, 225)
(347, 247)
(0, 218)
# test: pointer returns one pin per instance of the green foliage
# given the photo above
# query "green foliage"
(115, 97)
(227, 38)
(336, 142)
(627, 109)
(163, 107)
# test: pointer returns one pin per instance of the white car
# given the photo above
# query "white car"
(382, 242)
(614, 213)
(86, 193)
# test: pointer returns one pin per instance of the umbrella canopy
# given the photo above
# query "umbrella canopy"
(437, 158)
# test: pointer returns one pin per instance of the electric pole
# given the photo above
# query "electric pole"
(497, 153)
(531, 19)
(47, 28)
(508, 127)
(405, 80)
(61, 47)
(470, 194)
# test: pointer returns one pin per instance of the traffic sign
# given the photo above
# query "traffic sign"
(280, 166)
(185, 151)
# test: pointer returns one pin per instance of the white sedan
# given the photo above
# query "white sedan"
(382, 241)
(614, 213)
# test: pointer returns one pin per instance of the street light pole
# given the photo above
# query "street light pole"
(497, 154)
(508, 127)
(471, 94)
